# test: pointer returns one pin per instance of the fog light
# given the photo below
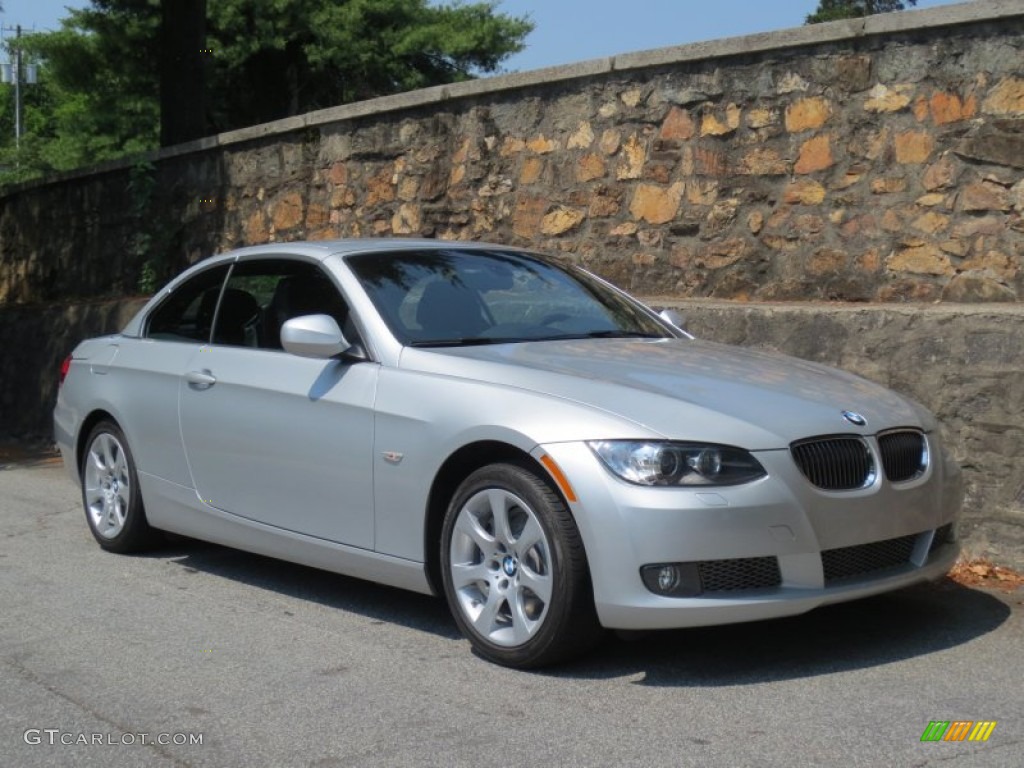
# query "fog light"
(668, 578)
(672, 579)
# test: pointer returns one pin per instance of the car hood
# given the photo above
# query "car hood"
(686, 390)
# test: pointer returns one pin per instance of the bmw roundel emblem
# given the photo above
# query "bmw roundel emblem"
(854, 418)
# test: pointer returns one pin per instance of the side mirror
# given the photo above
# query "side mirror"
(314, 336)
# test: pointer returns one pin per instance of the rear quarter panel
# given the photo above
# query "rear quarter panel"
(136, 382)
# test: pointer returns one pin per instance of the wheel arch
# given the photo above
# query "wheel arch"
(88, 423)
(456, 468)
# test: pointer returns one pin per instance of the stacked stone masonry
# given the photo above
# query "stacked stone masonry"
(885, 174)
(874, 168)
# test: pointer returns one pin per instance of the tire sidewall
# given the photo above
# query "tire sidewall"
(521, 482)
(135, 528)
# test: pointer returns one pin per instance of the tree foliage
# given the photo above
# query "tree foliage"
(99, 94)
(85, 108)
(182, 71)
(832, 10)
(300, 55)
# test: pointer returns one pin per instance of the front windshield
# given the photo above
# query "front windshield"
(450, 297)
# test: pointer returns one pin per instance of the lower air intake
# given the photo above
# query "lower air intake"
(943, 536)
(739, 573)
(866, 559)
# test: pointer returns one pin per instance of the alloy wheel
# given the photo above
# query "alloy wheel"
(107, 485)
(500, 567)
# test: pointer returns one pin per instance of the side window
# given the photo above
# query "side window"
(262, 295)
(187, 314)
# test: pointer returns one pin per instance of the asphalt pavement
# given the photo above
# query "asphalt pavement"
(198, 655)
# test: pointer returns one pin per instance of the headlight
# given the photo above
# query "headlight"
(688, 464)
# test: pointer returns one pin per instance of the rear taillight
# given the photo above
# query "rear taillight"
(64, 368)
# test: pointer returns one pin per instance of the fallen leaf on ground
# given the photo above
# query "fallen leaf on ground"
(983, 573)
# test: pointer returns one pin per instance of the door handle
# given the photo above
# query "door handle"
(200, 379)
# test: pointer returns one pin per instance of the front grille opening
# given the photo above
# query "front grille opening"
(943, 536)
(739, 574)
(866, 559)
(838, 463)
(904, 454)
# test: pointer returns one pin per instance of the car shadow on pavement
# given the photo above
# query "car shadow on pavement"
(375, 601)
(879, 630)
(916, 621)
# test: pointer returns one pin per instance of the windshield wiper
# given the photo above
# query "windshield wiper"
(467, 341)
(470, 341)
(618, 334)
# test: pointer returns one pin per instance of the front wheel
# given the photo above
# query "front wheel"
(515, 571)
(110, 492)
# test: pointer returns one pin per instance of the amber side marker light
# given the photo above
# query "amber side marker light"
(559, 476)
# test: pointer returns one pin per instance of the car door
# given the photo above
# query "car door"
(281, 440)
(147, 372)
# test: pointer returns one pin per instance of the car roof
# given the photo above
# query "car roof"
(322, 249)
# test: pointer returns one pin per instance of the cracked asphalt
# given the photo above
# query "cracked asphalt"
(280, 665)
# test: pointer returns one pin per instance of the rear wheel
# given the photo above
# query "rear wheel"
(515, 571)
(110, 492)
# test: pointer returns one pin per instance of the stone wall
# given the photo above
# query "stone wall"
(34, 340)
(868, 160)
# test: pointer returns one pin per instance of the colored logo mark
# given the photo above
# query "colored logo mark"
(958, 730)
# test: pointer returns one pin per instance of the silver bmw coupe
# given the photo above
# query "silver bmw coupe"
(504, 429)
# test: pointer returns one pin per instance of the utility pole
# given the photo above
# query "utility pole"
(17, 87)
(17, 74)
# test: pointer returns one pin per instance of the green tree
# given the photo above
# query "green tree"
(182, 71)
(276, 58)
(832, 10)
(111, 67)
(95, 98)
(79, 112)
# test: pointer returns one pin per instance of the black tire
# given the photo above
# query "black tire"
(116, 515)
(491, 570)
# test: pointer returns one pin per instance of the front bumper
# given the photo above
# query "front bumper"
(874, 540)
